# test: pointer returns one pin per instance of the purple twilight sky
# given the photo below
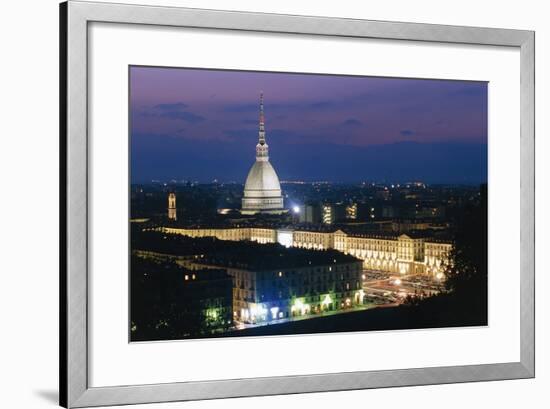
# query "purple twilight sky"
(202, 125)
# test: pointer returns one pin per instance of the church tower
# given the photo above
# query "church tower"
(172, 206)
(262, 190)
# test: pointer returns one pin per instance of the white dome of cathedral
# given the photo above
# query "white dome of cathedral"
(262, 190)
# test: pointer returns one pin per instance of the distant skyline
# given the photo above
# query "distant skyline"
(203, 124)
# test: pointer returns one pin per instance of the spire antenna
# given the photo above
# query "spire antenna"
(262, 153)
(261, 139)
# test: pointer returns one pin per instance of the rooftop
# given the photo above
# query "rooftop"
(167, 265)
(242, 254)
(265, 257)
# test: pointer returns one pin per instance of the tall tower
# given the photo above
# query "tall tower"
(262, 150)
(172, 206)
(262, 190)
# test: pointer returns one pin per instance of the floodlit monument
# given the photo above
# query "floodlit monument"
(262, 190)
(172, 206)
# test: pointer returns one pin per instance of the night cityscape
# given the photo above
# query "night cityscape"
(360, 206)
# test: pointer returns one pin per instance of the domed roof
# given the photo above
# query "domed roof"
(262, 181)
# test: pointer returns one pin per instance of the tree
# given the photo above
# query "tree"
(466, 275)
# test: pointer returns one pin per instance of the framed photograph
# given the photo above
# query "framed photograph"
(259, 204)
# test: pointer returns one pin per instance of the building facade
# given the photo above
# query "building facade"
(261, 295)
(186, 303)
(310, 213)
(206, 297)
(389, 252)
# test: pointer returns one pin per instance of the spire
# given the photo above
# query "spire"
(261, 138)
(262, 150)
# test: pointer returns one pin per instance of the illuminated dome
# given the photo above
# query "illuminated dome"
(262, 190)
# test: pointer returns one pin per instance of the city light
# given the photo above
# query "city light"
(378, 257)
(212, 313)
(300, 307)
(359, 295)
(258, 311)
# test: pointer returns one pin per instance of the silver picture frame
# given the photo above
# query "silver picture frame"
(75, 17)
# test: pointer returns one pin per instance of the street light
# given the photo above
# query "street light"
(296, 209)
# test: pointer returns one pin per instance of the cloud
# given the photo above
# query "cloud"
(235, 134)
(406, 132)
(274, 135)
(175, 111)
(278, 107)
(278, 110)
(246, 107)
(171, 107)
(352, 122)
(158, 156)
(322, 105)
(183, 115)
